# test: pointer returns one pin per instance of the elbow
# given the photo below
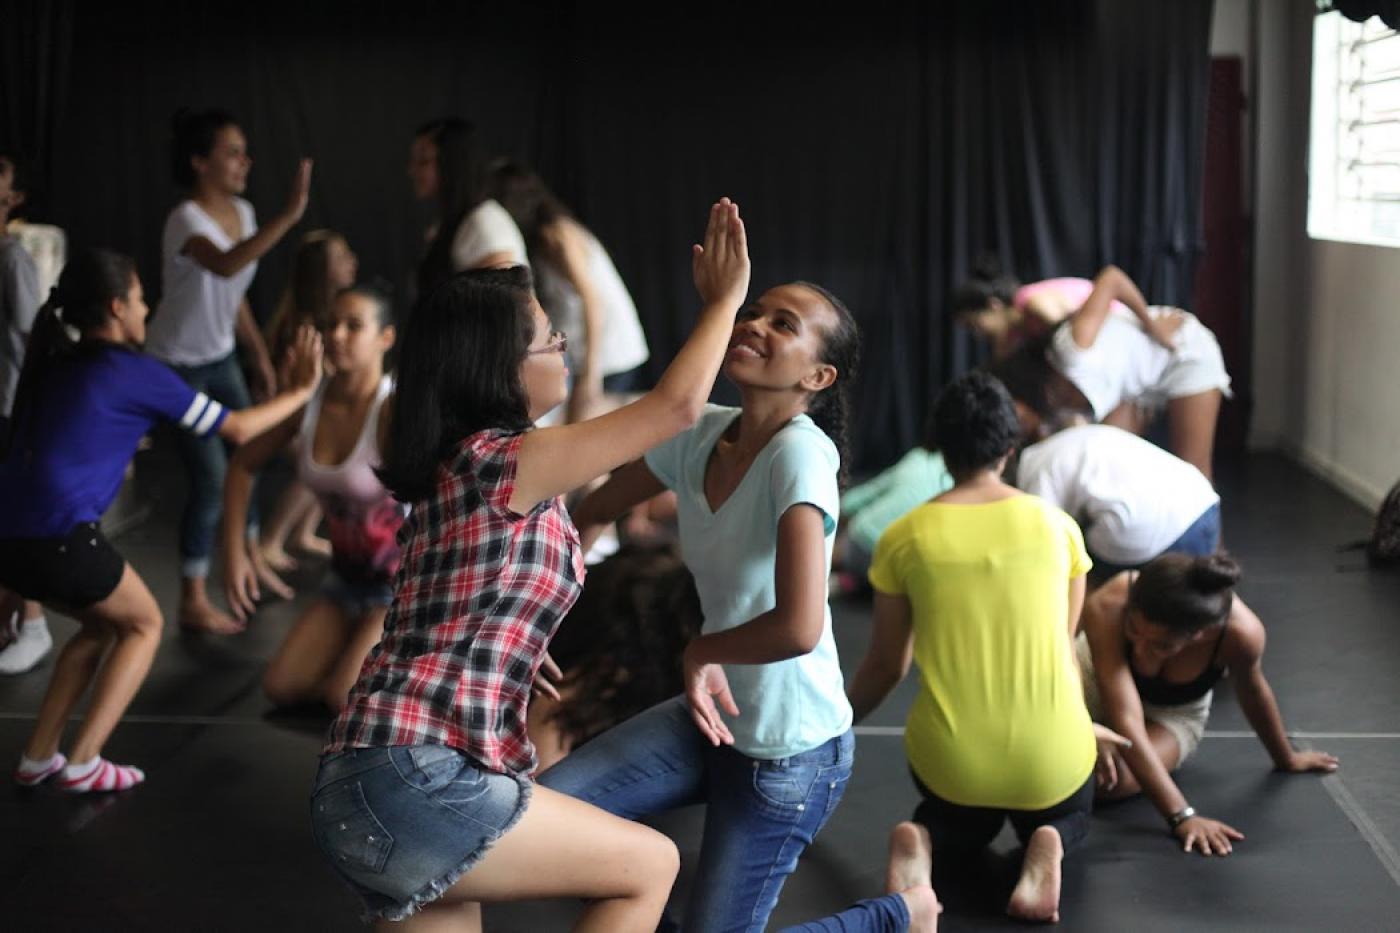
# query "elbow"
(804, 638)
(683, 411)
(1110, 275)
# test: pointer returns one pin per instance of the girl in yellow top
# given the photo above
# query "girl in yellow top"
(983, 586)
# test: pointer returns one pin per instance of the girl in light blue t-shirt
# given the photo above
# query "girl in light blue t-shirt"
(762, 734)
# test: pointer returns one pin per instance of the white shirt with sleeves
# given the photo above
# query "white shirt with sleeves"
(486, 230)
(1132, 498)
(194, 321)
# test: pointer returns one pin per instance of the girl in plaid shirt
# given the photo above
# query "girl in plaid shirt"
(424, 800)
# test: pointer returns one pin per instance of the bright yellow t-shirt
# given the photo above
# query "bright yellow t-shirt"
(999, 720)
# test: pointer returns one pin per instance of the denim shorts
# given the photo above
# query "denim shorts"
(356, 598)
(401, 824)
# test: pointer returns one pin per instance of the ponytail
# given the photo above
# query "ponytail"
(77, 304)
(830, 409)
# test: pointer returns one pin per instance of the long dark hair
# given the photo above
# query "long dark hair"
(1186, 593)
(80, 301)
(988, 281)
(193, 134)
(1033, 380)
(461, 346)
(530, 203)
(830, 409)
(462, 185)
(307, 298)
(621, 645)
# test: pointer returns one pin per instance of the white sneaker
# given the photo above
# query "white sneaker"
(27, 650)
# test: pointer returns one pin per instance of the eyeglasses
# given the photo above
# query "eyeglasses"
(558, 343)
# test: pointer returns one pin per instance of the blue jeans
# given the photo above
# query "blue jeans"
(888, 914)
(401, 824)
(761, 813)
(1201, 539)
(206, 462)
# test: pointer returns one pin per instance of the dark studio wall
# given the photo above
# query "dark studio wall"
(875, 149)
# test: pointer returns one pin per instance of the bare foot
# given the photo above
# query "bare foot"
(201, 616)
(1037, 894)
(315, 544)
(267, 576)
(923, 909)
(275, 557)
(911, 858)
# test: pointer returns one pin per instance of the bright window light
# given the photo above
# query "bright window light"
(1354, 171)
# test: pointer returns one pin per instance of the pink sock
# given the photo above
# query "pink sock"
(99, 775)
(31, 772)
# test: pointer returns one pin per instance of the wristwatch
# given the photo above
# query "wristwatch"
(1180, 816)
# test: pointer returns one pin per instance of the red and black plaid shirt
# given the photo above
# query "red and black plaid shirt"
(477, 599)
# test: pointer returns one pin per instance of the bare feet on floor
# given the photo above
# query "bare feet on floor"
(911, 858)
(315, 544)
(276, 557)
(1037, 894)
(923, 909)
(201, 616)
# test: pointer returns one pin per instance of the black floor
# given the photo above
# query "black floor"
(217, 838)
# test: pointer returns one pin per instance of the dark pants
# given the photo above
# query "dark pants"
(206, 462)
(954, 828)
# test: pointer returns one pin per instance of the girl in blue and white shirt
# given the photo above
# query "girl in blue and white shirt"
(80, 410)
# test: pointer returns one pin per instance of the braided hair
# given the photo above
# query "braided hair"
(831, 408)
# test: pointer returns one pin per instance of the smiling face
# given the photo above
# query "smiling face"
(226, 167)
(353, 336)
(543, 372)
(778, 341)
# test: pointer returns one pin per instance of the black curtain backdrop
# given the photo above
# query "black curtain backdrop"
(874, 150)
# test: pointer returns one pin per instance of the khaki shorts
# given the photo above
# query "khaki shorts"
(1186, 723)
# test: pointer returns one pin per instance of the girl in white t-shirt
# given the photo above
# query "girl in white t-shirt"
(446, 166)
(1113, 366)
(578, 286)
(210, 250)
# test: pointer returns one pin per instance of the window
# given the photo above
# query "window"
(1354, 172)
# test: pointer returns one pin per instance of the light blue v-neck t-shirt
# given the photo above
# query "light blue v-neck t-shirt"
(786, 707)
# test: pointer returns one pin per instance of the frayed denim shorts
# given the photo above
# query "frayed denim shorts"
(401, 824)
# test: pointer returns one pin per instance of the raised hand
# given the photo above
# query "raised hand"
(300, 193)
(302, 367)
(721, 265)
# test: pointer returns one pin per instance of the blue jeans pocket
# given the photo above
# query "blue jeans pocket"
(783, 786)
(444, 773)
(348, 831)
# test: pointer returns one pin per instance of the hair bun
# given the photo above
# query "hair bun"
(1217, 572)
